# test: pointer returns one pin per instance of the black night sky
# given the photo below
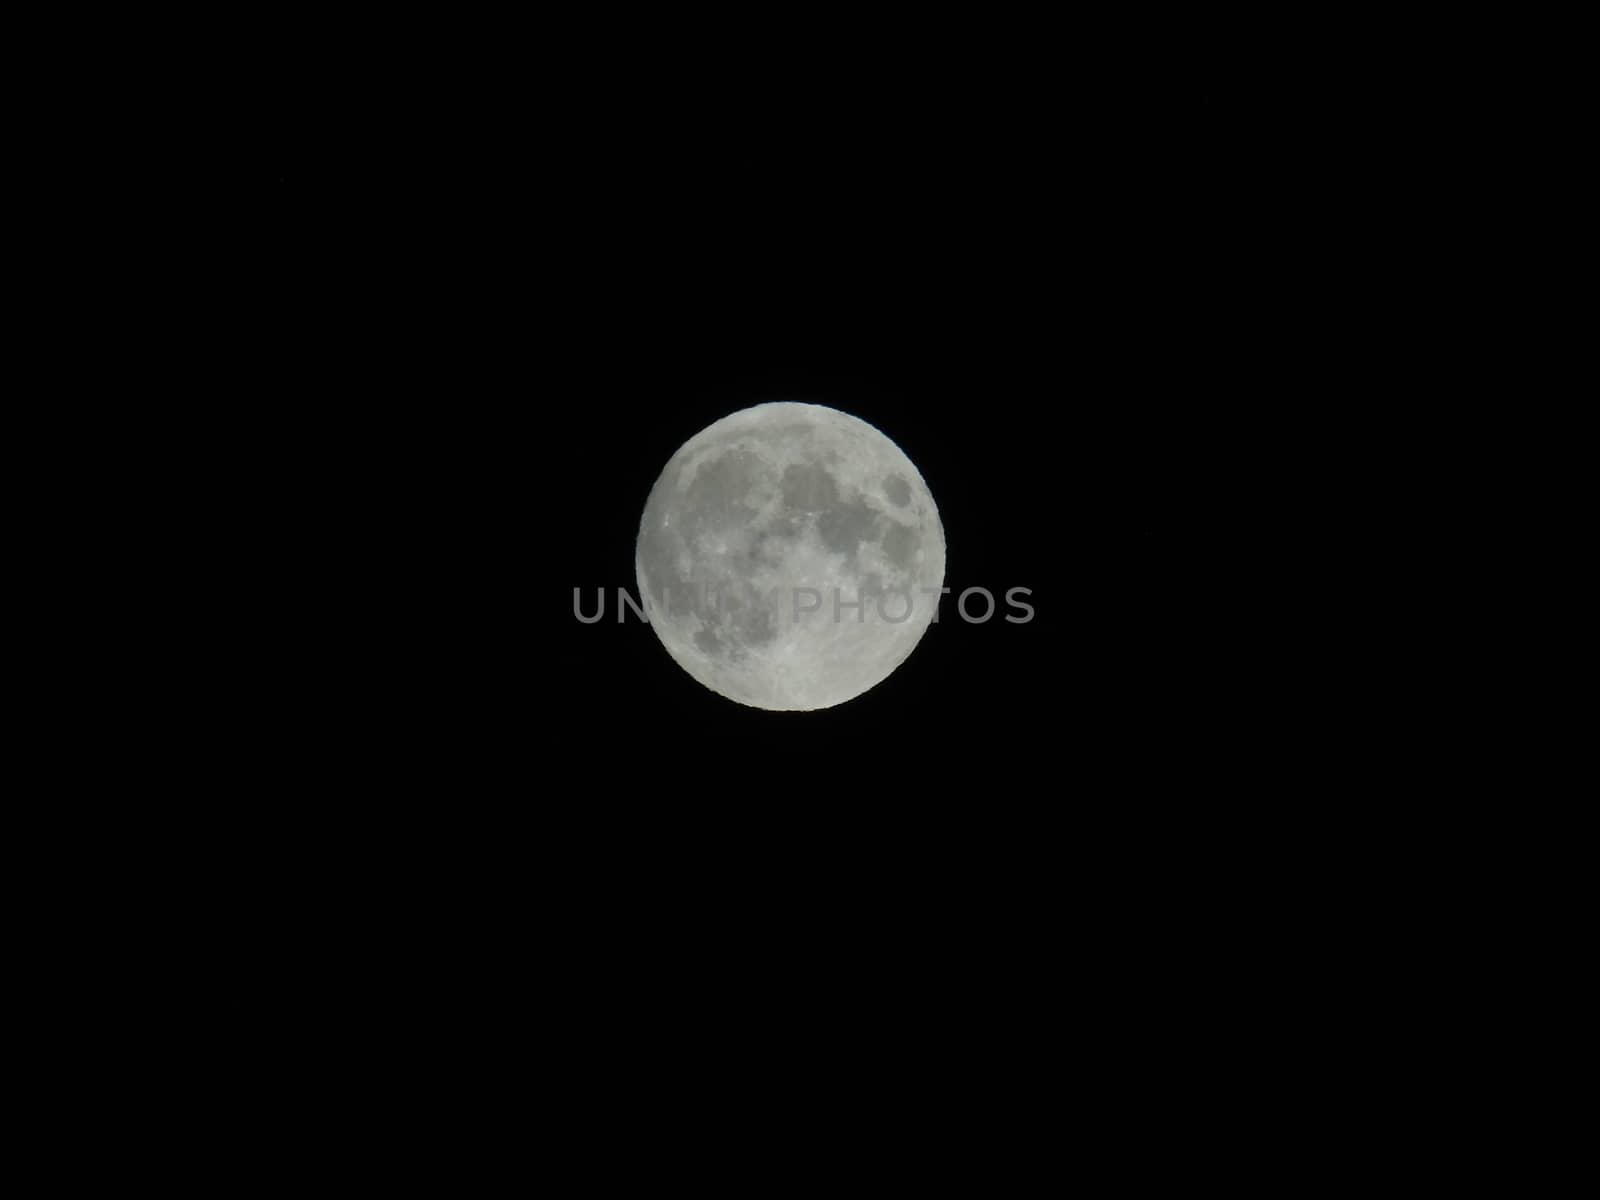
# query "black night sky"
(490, 356)
(487, 330)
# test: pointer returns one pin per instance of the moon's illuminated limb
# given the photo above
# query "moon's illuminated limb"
(767, 510)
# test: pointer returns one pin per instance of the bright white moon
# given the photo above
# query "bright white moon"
(790, 556)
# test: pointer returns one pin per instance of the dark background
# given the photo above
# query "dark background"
(508, 331)
(494, 323)
(491, 322)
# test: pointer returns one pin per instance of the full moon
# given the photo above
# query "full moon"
(790, 557)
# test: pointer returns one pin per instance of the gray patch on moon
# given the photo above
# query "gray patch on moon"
(769, 549)
(899, 545)
(782, 529)
(809, 487)
(714, 497)
(756, 626)
(898, 490)
(845, 527)
(732, 618)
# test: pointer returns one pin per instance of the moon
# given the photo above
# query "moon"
(790, 557)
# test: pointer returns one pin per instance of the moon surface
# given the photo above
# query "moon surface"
(790, 557)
